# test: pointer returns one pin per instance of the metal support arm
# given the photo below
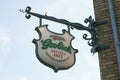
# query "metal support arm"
(63, 21)
(93, 41)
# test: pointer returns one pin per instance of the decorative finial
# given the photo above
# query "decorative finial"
(21, 10)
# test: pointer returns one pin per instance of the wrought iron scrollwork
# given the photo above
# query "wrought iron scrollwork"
(91, 28)
(92, 41)
(27, 12)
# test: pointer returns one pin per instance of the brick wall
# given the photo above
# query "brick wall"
(107, 58)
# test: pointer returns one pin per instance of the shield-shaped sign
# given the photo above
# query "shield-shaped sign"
(54, 50)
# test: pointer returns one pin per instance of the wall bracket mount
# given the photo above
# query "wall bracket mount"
(91, 28)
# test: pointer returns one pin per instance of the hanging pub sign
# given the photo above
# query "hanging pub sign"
(54, 50)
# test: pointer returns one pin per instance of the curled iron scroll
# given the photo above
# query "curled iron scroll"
(85, 37)
(90, 42)
(28, 10)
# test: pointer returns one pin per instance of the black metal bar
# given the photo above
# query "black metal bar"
(40, 24)
(68, 28)
(91, 28)
(63, 21)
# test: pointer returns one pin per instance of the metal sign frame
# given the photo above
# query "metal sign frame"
(57, 56)
(91, 28)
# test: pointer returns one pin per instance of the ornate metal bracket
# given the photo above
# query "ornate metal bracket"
(92, 41)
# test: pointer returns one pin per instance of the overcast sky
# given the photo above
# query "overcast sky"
(17, 52)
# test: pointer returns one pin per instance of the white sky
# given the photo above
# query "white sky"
(17, 52)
